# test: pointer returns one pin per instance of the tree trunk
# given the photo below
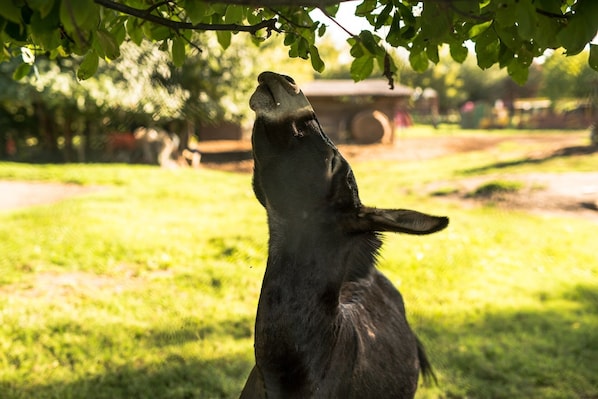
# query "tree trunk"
(68, 139)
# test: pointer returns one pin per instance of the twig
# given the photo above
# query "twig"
(330, 17)
(195, 46)
(159, 4)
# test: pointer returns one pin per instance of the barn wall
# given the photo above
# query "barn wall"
(335, 114)
(220, 131)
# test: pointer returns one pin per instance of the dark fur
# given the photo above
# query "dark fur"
(329, 324)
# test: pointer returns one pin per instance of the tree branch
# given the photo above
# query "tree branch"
(333, 19)
(275, 3)
(552, 14)
(269, 24)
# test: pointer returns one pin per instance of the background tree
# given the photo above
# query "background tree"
(141, 88)
(568, 77)
(508, 33)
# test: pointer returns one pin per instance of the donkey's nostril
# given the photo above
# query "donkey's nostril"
(289, 79)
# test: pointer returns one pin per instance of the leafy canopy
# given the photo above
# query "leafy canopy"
(508, 33)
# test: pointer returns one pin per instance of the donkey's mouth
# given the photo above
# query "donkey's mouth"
(278, 97)
(263, 99)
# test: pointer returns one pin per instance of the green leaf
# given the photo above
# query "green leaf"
(526, 19)
(216, 10)
(505, 56)
(234, 14)
(290, 38)
(88, 66)
(581, 27)
(357, 49)
(518, 71)
(467, 8)
(435, 23)
(302, 48)
(11, 12)
(577, 33)
(509, 37)
(196, 10)
(316, 62)
(382, 18)
(332, 10)
(546, 31)
(21, 71)
(370, 42)
(479, 28)
(458, 52)
(487, 48)
(593, 59)
(299, 47)
(118, 31)
(393, 37)
(43, 6)
(406, 14)
(78, 15)
(178, 51)
(45, 31)
(95, 44)
(134, 31)
(156, 32)
(321, 30)
(418, 60)
(506, 14)
(365, 8)
(107, 42)
(224, 38)
(253, 16)
(362, 67)
(432, 53)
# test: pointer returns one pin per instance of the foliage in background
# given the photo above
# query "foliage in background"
(554, 76)
(568, 77)
(508, 33)
(141, 87)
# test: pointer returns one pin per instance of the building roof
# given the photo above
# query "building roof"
(346, 87)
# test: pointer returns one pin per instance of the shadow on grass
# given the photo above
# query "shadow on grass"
(523, 353)
(563, 152)
(195, 359)
(192, 330)
(539, 352)
(175, 377)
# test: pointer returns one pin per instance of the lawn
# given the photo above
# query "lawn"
(148, 287)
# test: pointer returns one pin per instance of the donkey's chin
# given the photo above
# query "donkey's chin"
(262, 100)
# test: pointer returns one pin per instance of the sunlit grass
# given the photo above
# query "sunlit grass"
(148, 287)
(456, 130)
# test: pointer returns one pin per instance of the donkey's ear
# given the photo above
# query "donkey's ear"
(396, 220)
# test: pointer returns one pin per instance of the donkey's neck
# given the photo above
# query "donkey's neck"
(298, 312)
(306, 267)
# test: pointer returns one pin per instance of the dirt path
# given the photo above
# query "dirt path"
(17, 194)
(567, 194)
(236, 155)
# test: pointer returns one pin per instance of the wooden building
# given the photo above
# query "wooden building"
(362, 112)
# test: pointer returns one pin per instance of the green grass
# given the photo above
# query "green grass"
(148, 288)
(454, 130)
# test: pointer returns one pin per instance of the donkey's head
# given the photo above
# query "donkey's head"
(299, 174)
